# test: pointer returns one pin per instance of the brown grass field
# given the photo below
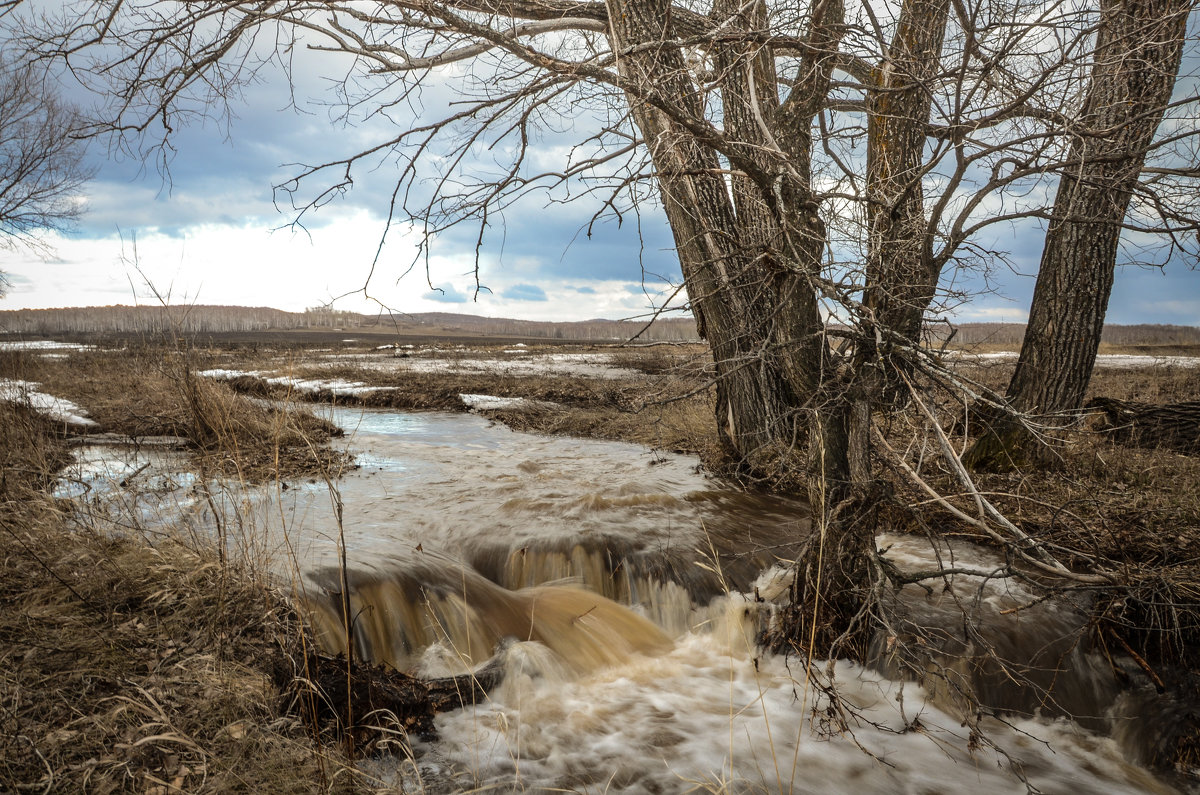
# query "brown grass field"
(134, 665)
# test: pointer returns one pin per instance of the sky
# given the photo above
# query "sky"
(210, 232)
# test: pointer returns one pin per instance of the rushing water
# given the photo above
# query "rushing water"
(621, 589)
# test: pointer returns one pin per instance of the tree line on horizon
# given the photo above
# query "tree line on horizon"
(190, 320)
(186, 320)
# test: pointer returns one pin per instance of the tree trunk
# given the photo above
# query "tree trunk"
(758, 312)
(750, 245)
(1138, 51)
(901, 275)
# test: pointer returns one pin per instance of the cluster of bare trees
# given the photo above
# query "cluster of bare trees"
(198, 319)
(147, 320)
(815, 160)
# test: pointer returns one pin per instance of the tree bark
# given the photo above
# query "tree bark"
(901, 274)
(746, 274)
(1137, 56)
(750, 241)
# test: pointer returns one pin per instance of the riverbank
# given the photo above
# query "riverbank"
(147, 660)
(128, 666)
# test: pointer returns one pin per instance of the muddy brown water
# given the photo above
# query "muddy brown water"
(622, 590)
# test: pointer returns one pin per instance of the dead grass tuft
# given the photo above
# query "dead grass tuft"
(151, 392)
(30, 449)
(127, 666)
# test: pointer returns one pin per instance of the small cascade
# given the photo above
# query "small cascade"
(565, 609)
(672, 586)
(398, 615)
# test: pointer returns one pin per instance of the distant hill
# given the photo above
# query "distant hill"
(187, 320)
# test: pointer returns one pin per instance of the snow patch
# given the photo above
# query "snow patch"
(1115, 361)
(57, 408)
(588, 365)
(337, 386)
(44, 345)
(491, 402)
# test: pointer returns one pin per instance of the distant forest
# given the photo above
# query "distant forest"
(187, 320)
(1011, 334)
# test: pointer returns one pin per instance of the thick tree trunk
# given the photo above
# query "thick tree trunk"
(750, 242)
(901, 274)
(759, 314)
(832, 588)
(1138, 52)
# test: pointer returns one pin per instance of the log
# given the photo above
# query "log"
(1171, 426)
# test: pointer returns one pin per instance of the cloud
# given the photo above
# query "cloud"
(446, 295)
(242, 264)
(971, 313)
(205, 231)
(1170, 295)
(17, 280)
(526, 292)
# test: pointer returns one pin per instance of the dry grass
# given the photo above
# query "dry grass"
(152, 392)
(30, 450)
(130, 667)
(140, 662)
(1096, 504)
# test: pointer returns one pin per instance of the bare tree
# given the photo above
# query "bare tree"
(814, 162)
(1139, 47)
(42, 166)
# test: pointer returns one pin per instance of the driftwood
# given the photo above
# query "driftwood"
(1173, 426)
(364, 702)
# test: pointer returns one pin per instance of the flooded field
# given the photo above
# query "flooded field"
(621, 589)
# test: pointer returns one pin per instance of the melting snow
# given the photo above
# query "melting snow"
(1116, 361)
(335, 385)
(44, 345)
(491, 402)
(55, 407)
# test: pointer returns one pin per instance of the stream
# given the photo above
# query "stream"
(622, 589)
